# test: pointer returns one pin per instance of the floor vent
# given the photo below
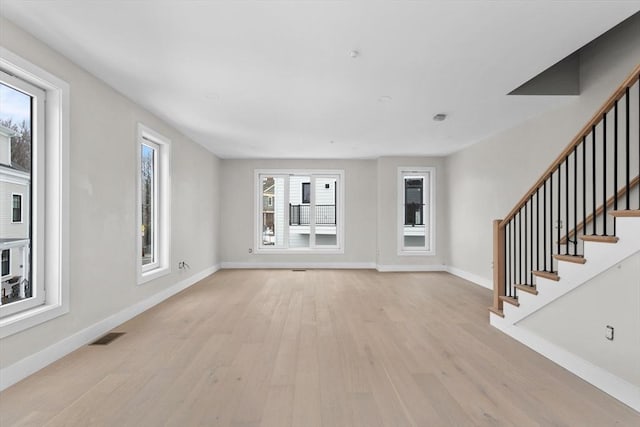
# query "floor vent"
(107, 339)
(299, 269)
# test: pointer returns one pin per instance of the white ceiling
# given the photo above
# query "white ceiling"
(275, 79)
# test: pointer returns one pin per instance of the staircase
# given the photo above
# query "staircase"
(578, 220)
(572, 271)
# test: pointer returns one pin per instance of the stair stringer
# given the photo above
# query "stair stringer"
(600, 257)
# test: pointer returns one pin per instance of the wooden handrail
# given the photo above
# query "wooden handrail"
(620, 91)
(600, 209)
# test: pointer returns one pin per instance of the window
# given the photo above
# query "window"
(153, 204)
(16, 208)
(299, 211)
(6, 264)
(306, 192)
(33, 174)
(149, 199)
(416, 211)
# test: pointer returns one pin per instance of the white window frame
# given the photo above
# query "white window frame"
(21, 208)
(162, 210)
(259, 248)
(49, 198)
(429, 199)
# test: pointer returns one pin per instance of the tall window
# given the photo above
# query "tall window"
(6, 264)
(299, 211)
(149, 209)
(416, 211)
(16, 208)
(306, 192)
(34, 167)
(153, 204)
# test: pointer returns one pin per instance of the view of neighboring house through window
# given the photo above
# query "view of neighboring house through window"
(415, 214)
(16, 212)
(17, 100)
(299, 210)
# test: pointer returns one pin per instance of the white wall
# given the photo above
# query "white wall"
(238, 211)
(576, 322)
(388, 213)
(102, 207)
(485, 180)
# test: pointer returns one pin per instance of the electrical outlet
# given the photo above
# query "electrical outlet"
(609, 333)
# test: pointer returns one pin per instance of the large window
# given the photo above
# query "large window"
(299, 211)
(153, 204)
(33, 194)
(416, 211)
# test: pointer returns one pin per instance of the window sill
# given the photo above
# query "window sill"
(416, 253)
(300, 251)
(150, 275)
(29, 318)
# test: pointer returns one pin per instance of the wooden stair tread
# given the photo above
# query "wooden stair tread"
(547, 275)
(577, 259)
(510, 300)
(496, 311)
(629, 213)
(600, 239)
(526, 288)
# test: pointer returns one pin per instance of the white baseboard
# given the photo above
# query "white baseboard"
(13, 373)
(407, 268)
(474, 278)
(291, 265)
(618, 388)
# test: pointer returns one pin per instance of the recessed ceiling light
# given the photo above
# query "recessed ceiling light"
(385, 98)
(354, 54)
(439, 117)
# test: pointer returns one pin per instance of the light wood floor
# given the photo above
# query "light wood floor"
(330, 348)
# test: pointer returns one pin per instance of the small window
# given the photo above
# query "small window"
(6, 264)
(153, 205)
(16, 208)
(306, 192)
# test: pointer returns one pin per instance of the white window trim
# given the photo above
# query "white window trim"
(51, 262)
(21, 208)
(260, 249)
(419, 170)
(162, 266)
